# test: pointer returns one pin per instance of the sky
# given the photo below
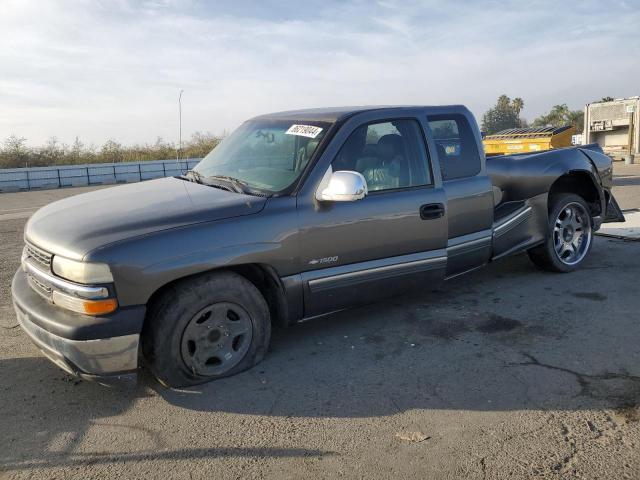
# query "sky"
(100, 69)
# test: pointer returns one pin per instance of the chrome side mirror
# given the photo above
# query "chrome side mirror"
(342, 186)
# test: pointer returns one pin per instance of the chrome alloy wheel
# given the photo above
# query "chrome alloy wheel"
(572, 234)
(216, 339)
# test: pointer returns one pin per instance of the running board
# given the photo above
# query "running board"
(505, 225)
(514, 232)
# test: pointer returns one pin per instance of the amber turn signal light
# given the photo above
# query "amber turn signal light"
(86, 307)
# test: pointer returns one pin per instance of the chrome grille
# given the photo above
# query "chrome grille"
(39, 287)
(39, 256)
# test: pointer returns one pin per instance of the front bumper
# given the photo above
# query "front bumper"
(95, 348)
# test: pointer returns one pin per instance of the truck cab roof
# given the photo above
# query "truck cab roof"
(333, 114)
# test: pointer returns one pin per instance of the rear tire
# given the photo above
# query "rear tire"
(204, 328)
(570, 235)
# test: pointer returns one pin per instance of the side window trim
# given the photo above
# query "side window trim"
(424, 136)
(400, 189)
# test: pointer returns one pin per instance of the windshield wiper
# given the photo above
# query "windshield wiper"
(192, 175)
(225, 182)
(197, 177)
(238, 185)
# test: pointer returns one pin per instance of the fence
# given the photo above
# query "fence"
(14, 179)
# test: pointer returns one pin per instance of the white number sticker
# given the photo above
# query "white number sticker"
(304, 130)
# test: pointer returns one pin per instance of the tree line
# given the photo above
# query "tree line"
(506, 114)
(14, 151)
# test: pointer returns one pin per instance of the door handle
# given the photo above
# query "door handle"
(430, 211)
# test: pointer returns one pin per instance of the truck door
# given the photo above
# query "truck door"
(468, 190)
(386, 243)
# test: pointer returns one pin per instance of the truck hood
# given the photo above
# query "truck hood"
(74, 226)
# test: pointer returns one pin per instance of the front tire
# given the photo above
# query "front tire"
(570, 235)
(204, 328)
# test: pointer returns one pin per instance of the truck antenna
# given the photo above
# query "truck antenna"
(179, 151)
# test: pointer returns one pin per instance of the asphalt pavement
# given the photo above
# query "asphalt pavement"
(508, 372)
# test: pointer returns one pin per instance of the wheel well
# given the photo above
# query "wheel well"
(581, 184)
(263, 277)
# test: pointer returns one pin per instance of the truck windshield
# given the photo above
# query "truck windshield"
(265, 155)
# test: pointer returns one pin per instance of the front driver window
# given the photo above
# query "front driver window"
(389, 155)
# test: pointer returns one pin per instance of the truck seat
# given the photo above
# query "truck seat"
(382, 164)
(378, 175)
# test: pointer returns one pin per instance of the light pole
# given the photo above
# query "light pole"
(179, 129)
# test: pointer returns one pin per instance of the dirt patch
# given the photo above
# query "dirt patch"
(598, 297)
(373, 339)
(444, 330)
(489, 323)
(498, 323)
(628, 414)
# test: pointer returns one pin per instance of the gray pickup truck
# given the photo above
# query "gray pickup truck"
(293, 216)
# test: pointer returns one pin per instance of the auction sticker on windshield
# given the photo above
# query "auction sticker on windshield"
(304, 130)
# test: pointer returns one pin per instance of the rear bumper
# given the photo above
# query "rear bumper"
(107, 359)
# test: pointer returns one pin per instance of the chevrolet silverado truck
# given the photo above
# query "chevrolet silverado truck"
(293, 216)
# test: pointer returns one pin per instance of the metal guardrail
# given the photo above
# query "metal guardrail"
(16, 179)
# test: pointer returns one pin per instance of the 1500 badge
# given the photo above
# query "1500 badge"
(317, 261)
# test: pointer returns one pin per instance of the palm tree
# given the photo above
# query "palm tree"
(503, 102)
(517, 104)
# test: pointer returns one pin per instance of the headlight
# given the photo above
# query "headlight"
(81, 272)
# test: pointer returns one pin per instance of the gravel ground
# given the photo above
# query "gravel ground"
(505, 373)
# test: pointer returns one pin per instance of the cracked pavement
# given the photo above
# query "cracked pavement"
(508, 372)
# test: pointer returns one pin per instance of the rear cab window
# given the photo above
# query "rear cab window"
(456, 146)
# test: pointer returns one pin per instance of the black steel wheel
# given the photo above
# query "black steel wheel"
(205, 327)
(216, 339)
